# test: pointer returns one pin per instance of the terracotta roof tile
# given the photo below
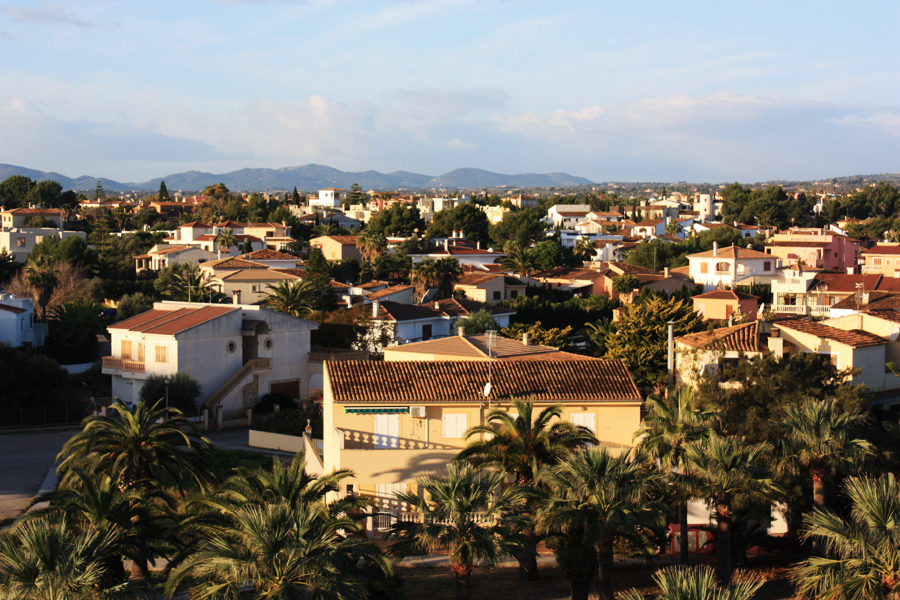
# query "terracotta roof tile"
(268, 254)
(172, 322)
(235, 263)
(477, 278)
(844, 282)
(259, 275)
(725, 295)
(882, 249)
(855, 338)
(476, 346)
(739, 338)
(388, 291)
(464, 381)
(732, 252)
(343, 240)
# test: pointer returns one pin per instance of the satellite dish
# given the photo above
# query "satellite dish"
(487, 389)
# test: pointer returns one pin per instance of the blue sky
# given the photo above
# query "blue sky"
(611, 91)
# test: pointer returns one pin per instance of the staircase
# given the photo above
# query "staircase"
(249, 368)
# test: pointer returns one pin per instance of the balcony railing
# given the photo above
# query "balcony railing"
(123, 364)
(815, 310)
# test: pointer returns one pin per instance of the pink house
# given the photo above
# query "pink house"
(815, 248)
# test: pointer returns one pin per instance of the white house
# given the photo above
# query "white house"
(17, 326)
(236, 352)
(566, 216)
(328, 198)
(731, 266)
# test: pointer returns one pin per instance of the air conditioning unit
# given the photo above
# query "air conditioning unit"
(417, 412)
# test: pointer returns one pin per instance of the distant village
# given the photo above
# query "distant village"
(395, 323)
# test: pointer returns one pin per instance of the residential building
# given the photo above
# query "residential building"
(390, 422)
(328, 198)
(17, 325)
(815, 249)
(731, 266)
(722, 305)
(20, 241)
(465, 255)
(566, 216)
(336, 247)
(482, 346)
(166, 255)
(236, 352)
(882, 259)
(251, 286)
(490, 288)
(19, 218)
(698, 354)
(802, 292)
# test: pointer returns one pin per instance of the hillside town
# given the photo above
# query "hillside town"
(732, 351)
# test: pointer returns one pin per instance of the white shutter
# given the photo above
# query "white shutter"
(387, 431)
(455, 425)
(584, 420)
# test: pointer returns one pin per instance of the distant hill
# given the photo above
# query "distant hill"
(309, 177)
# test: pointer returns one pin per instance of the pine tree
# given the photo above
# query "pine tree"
(163, 191)
(99, 194)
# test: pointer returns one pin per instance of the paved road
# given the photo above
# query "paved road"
(27, 457)
(24, 461)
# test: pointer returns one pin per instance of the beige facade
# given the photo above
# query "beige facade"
(337, 247)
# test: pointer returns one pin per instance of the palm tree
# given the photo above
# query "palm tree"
(594, 498)
(862, 559)
(95, 503)
(146, 451)
(371, 244)
(295, 298)
(519, 260)
(721, 468)
(465, 514)
(285, 552)
(520, 446)
(665, 432)
(819, 438)
(190, 283)
(226, 239)
(697, 583)
(40, 275)
(423, 277)
(50, 558)
(584, 248)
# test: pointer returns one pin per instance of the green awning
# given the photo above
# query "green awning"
(377, 410)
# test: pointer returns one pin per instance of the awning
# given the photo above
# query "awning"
(377, 410)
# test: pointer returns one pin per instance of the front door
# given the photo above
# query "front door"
(249, 347)
(387, 431)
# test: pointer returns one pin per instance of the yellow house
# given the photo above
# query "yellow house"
(490, 288)
(721, 305)
(476, 347)
(697, 354)
(883, 259)
(390, 422)
(336, 247)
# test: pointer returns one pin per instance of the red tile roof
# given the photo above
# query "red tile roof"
(739, 338)
(388, 291)
(844, 282)
(464, 381)
(235, 263)
(732, 252)
(172, 322)
(268, 254)
(882, 249)
(725, 295)
(855, 338)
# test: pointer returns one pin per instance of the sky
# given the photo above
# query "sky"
(612, 91)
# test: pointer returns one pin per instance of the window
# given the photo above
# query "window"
(497, 295)
(723, 267)
(740, 268)
(514, 294)
(254, 288)
(584, 420)
(161, 354)
(455, 425)
(20, 242)
(704, 267)
(767, 266)
(126, 348)
(387, 431)
(876, 262)
(426, 332)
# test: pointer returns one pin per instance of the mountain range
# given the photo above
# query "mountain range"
(308, 178)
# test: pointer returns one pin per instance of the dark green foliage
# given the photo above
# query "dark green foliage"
(766, 207)
(14, 191)
(560, 313)
(163, 195)
(477, 322)
(760, 290)
(31, 384)
(267, 403)
(657, 254)
(72, 250)
(549, 254)
(624, 284)
(465, 217)
(73, 330)
(881, 200)
(398, 220)
(355, 196)
(183, 392)
(133, 304)
(46, 193)
(8, 266)
(521, 228)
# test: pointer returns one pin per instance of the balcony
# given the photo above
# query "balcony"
(112, 365)
(812, 310)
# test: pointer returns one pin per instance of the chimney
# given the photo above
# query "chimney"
(447, 245)
(349, 300)
(437, 305)
(462, 234)
(461, 331)
(524, 339)
(236, 297)
(375, 306)
(666, 272)
(478, 245)
(859, 321)
(715, 248)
